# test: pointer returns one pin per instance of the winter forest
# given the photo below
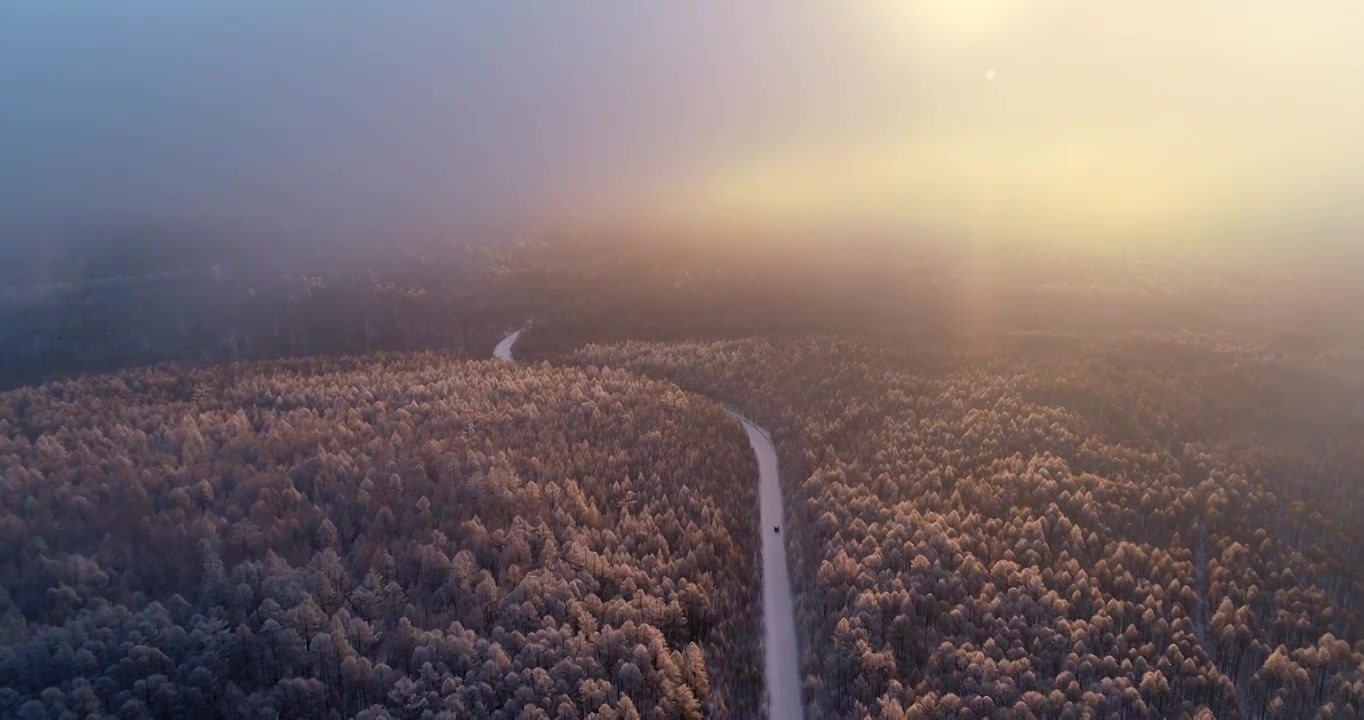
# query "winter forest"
(1143, 521)
(702, 360)
(400, 535)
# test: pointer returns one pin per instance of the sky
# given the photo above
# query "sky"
(1120, 123)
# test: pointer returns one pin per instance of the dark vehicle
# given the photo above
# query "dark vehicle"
(776, 528)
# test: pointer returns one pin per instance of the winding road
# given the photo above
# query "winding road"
(782, 671)
(503, 349)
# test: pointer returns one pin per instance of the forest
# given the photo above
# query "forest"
(217, 307)
(398, 535)
(1148, 526)
(1082, 496)
(111, 313)
(702, 360)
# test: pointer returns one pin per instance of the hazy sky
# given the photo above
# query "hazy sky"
(1113, 121)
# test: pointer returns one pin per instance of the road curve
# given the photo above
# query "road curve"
(782, 662)
(503, 351)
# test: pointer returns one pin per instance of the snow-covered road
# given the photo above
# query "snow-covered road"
(504, 348)
(782, 662)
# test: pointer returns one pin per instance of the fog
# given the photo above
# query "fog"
(867, 359)
(1130, 125)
